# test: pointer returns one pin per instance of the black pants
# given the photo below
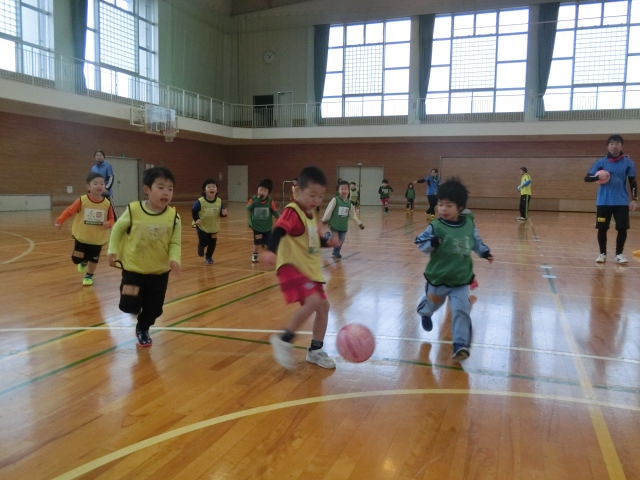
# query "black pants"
(143, 295)
(525, 202)
(433, 202)
(207, 241)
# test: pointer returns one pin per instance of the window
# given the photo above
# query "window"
(121, 48)
(596, 57)
(26, 44)
(479, 63)
(368, 69)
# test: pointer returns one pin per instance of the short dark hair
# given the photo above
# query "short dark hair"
(352, 183)
(454, 191)
(99, 151)
(524, 169)
(209, 181)
(384, 180)
(615, 138)
(343, 182)
(311, 175)
(93, 175)
(150, 175)
(266, 183)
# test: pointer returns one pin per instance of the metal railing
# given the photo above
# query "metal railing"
(54, 71)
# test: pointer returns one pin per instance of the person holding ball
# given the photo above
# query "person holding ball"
(612, 199)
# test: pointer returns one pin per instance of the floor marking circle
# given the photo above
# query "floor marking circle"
(31, 246)
(123, 452)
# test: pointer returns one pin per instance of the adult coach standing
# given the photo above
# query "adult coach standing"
(432, 181)
(104, 168)
(613, 198)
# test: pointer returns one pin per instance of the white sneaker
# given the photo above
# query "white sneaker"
(320, 358)
(601, 258)
(621, 259)
(282, 352)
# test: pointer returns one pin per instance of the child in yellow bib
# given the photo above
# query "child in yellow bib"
(296, 241)
(92, 218)
(206, 213)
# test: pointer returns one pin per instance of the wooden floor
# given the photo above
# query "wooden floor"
(551, 390)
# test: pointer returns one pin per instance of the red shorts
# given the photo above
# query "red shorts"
(384, 201)
(296, 287)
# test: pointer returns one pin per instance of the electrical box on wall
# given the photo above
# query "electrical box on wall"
(69, 189)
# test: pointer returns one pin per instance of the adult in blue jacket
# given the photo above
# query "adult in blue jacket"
(104, 168)
(612, 199)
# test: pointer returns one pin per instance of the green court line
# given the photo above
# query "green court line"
(66, 335)
(226, 337)
(493, 373)
(60, 369)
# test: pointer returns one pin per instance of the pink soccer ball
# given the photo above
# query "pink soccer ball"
(355, 343)
(603, 176)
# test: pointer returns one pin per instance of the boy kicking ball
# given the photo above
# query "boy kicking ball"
(449, 241)
(296, 241)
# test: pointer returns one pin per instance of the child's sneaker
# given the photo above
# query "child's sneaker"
(621, 259)
(254, 258)
(473, 284)
(427, 324)
(208, 261)
(320, 358)
(460, 353)
(282, 352)
(144, 339)
(601, 258)
(87, 280)
(82, 267)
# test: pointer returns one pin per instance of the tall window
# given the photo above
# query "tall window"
(596, 57)
(26, 40)
(479, 63)
(368, 69)
(121, 46)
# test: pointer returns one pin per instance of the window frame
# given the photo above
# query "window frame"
(473, 28)
(29, 58)
(574, 95)
(369, 103)
(103, 76)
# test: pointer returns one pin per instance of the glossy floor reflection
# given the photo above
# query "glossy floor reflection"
(551, 390)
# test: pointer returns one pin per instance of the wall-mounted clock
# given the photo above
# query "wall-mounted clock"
(269, 56)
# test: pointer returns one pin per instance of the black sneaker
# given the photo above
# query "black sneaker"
(460, 353)
(427, 324)
(144, 339)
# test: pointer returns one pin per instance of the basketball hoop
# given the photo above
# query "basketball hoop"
(169, 134)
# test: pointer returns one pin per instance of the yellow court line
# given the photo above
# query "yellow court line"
(136, 447)
(609, 453)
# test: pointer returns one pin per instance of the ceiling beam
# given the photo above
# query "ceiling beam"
(241, 7)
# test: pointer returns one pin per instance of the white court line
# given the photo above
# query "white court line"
(29, 242)
(330, 334)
